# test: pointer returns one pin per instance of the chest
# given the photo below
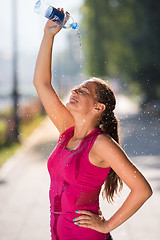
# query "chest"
(65, 164)
(92, 155)
(73, 144)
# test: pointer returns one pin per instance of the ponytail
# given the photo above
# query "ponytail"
(109, 124)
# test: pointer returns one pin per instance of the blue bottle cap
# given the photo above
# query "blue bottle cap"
(75, 25)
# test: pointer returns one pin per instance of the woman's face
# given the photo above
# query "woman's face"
(83, 98)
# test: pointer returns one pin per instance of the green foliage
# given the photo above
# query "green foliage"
(122, 38)
(2, 132)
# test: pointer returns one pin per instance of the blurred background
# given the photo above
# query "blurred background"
(119, 41)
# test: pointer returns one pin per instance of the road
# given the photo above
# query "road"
(24, 180)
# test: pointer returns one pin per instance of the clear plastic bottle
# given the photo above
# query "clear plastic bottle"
(64, 19)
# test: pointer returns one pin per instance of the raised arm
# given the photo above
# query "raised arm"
(58, 113)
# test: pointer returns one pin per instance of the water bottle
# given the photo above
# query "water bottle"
(64, 19)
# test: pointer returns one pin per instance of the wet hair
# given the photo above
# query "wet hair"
(109, 124)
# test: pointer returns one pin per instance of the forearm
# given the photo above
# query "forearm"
(42, 74)
(133, 202)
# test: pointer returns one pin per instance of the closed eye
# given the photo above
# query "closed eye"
(82, 92)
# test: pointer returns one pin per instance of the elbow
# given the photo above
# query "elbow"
(144, 193)
(34, 82)
(148, 192)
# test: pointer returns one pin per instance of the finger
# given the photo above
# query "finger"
(66, 18)
(87, 221)
(86, 212)
(86, 225)
(82, 217)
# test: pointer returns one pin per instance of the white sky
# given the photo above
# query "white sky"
(31, 25)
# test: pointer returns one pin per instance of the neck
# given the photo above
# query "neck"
(83, 126)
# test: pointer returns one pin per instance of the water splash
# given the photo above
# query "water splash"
(80, 45)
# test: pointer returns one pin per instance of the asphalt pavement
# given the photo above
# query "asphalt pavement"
(24, 180)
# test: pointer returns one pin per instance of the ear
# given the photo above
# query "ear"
(100, 107)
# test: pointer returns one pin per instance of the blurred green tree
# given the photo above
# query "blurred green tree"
(122, 38)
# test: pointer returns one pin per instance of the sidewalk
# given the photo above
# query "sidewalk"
(24, 183)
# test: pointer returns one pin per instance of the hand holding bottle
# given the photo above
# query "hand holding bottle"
(52, 28)
(64, 19)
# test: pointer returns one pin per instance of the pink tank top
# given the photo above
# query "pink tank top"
(75, 181)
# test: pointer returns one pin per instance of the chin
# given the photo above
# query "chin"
(69, 105)
(72, 107)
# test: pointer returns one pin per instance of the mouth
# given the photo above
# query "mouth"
(73, 99)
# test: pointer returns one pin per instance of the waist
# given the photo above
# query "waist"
(64, 212)
(72, 209)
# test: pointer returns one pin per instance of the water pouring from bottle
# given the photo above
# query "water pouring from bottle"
(65, 20)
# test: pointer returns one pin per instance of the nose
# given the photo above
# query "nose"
(74, 91)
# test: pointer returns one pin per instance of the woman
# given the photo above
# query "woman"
(87, 155)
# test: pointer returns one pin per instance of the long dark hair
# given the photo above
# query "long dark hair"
(109, 124)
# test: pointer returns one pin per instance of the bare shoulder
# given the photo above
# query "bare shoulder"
(105, 142)
(105, 149)
(96, 155)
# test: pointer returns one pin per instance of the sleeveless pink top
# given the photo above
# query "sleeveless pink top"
(75, 184)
